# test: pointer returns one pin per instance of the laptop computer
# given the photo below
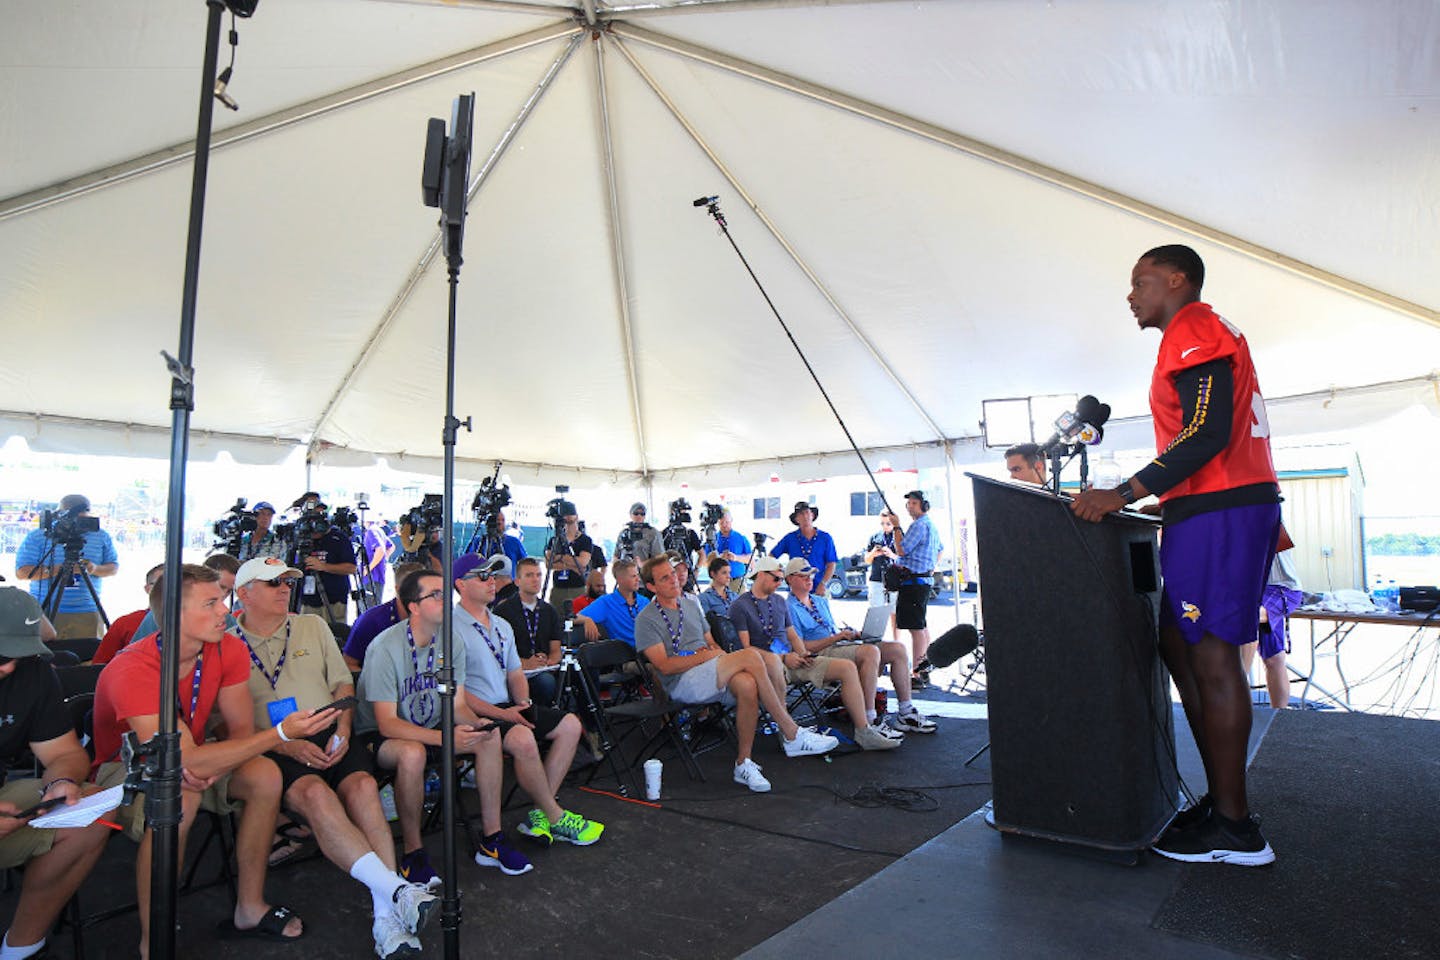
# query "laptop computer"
(877, 620)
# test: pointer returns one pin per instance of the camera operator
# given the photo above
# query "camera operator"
(328, 564)
(730, 545)
(568, 557)
(511, 545)
(262, 541)
(639, 541)
(41, 559)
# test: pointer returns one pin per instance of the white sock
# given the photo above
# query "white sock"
(7, 952)
(907, 706)
(870, 715)
(382, 881)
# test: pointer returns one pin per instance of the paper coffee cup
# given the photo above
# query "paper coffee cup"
(652, 779)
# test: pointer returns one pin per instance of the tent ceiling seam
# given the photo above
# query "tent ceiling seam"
(156, 160)
(780, 238)
(428, 257)
(1023, 165)
(617, 250)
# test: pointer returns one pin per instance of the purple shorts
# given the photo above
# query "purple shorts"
(1278, 602)
(1216, 566)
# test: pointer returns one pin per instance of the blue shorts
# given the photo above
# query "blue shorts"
(1278, 602)
(1216, 566)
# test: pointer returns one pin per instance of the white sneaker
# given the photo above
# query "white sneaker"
(392, 940)
(414, 906)
(808, 743)
(871, 739)
(749, 774)
(915, 722)
(884, 728)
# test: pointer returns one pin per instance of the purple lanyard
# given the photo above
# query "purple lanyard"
(532, 623)
(814, 612)
(415, 659)
(763, 615)
(194, 683)
(279, 664)
(499, 657)
(676, 631)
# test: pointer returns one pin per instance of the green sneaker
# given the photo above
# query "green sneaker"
(575, 829)
(537, 827)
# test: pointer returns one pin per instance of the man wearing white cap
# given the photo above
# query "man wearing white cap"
(36, 721)
(671, 634)
(763, 622)
(325, 778)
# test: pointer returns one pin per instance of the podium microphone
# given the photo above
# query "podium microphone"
(951, 646)
(1083, 425)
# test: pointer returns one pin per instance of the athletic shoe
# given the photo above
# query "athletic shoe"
(871, 739)
(885, 729)
(919, 681)
(573, 828)
(414, 906)
(1191, 815)
(415, 867)
(495, 851)
(808, 743)
(392, 940)
(537, 827)
(1218, 839)
(914, 722)
(748, 773)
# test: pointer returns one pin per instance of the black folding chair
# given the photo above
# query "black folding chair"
(82, 647)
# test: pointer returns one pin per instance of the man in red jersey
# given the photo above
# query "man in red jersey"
(1220, 504)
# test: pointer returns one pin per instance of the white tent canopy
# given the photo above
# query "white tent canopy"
(942, 199)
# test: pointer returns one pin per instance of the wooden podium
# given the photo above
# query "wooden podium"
(1082, 737)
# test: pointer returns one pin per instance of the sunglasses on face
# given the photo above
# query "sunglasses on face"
(287, 582)
(478, 575)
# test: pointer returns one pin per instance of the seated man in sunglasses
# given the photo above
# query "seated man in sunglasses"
(56, 861)
(496, 689)
(399, 714)
(327, 781)
(214, 671)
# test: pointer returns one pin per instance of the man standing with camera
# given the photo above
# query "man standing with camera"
(730, 545)
(262, 541)
(328, 562)
(568, 558)
(41, 559)
(639, 541)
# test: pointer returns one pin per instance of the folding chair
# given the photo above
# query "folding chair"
(82, 648)
(632, 709)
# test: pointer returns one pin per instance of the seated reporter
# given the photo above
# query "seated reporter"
(399, 713)
(55, 861)
(215, 673)
(537, 629)
(718, 596)
(325, 778)
(377, 619)
(496, 689)
(813, 621)
(763, 622)
(670, 633)
(616, 611)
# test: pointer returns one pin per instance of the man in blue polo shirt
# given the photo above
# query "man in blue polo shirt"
(810, 544)
(730, 545)
(617, 610)
(41, 559)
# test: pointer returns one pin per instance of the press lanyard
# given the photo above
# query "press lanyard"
(814, 612)
(194, 683)
(763, 614)
(676, 631)
(499, 658)
(532, 623)
(429, 669)
(279, 664)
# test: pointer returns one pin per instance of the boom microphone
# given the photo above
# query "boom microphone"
(952, 645)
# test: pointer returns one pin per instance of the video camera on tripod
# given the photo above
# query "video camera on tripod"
(231, 528)
(416, 525)
(710, 514)
(68, 527)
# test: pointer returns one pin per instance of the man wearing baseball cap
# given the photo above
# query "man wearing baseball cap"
(641, 540)
(809, 543)
(262, 541)
(56, 862)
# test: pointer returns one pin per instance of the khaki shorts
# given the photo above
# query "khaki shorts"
(216, 799)
(815, 673)
(26, 843)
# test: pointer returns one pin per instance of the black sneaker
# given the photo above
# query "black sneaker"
(1191, 815)
(1218, 839)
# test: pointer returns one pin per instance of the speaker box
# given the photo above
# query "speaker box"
(1081, 729)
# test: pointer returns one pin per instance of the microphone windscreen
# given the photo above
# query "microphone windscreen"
(1102, 414)
(952, 645)
(1087, 408)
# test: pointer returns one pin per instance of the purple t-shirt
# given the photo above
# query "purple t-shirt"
(367, 627)
(375, 541)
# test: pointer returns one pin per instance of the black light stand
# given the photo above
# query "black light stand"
(162, 800)
(445, 183)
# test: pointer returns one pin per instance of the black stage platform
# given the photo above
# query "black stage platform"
(717, 871)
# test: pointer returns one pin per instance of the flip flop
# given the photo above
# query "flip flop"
(271, 927)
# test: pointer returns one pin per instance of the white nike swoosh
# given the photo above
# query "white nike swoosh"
(31, 623)
(1186, 353)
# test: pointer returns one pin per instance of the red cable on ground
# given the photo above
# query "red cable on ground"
(617, 796)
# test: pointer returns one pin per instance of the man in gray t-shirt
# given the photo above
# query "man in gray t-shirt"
(670, 634)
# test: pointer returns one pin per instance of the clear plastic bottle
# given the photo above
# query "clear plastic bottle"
(1106, 474)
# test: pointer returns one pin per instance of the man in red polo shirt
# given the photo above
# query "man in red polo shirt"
(1220, 503)
(214, 675)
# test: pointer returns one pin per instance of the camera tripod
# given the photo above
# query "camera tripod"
(575, 689)
(65, 580)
